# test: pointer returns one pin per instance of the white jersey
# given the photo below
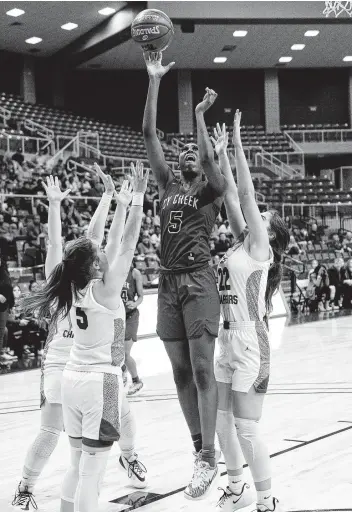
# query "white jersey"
(99, 335)
(58, 345)
(242, 283)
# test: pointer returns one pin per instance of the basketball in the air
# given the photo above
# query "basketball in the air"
(152, 30)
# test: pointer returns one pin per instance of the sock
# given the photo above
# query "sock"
(38, 455)
(235, 483)
(197, 442)
(128, 435)
(265, 498)
(91, 473)
(208, 454)
(123, 368)
(135, 380)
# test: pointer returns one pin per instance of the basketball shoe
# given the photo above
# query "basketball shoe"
(276, 506)
(230, 501)
(203, 480)
(134, 388)
(24, 500)
(135, 471)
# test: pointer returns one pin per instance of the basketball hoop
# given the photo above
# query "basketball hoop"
(337, 8)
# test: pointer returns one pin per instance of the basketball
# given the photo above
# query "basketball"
(152, 30)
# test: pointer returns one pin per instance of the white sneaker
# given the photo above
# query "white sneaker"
(276, 506)
(230, 502)
(135, 471)
(6, 357)
(24, 500)
(203, 480)
(134, 388)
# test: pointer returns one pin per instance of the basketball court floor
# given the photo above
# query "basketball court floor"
(307, 423)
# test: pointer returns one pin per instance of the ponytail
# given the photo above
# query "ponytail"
(54, 299)
(274, 280)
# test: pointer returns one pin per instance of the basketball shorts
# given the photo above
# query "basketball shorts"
(242, 358)
(50, 386)
(132, 322)
(91, 404)
(188, 305)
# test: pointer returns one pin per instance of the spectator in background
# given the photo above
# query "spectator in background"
(18, 156)
(336, 283)
(335, 243)
(347, 242)
(145, 246)
(223, 244)
(7, 302)
(320, 280)
(346, 275)
(293, 247)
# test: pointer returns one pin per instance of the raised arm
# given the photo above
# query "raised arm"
(55, 196)
(123, 199)
(97, 224)
(259, 238)
(206, 153)
(108, 290)
(161, 170)
(232, 202)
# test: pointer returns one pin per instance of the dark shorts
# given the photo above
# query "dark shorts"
(188, 305)
(132, 322)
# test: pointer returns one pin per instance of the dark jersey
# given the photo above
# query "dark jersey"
(129, 291)
(186, 221)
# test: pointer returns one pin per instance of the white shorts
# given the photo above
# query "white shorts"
(91, 404)
(50, 386)
(243, 357)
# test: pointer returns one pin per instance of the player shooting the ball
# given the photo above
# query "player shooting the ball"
(188, 301)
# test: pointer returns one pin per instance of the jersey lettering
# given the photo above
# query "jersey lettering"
(68, 334)
(82, 320)
(228, 299)
(175, 222)
(124, 295)
(224, 276)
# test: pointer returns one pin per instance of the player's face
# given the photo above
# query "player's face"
(189, 161)
(266, 216)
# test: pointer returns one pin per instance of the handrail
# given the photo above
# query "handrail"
(293, 142)
(43, 131)
(22, 139)
(293, 260)
(61, 151)
(342, 135)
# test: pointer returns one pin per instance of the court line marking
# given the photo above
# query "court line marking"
(276, 454)
(294, 441)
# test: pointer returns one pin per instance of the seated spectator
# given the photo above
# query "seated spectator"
(335, 243)
(347, 242)
(336, 283)
(346, 275)
(223, 244)
(320, 280)
(145, 246)
(293, 248)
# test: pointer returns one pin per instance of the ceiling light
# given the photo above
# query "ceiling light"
(220, 60)
(69, 26)
(240, 33)
(348, 58)
(15, 12)
(285, 59)
(34, 40)
(106, 11)
(311, 33)
(297, 46)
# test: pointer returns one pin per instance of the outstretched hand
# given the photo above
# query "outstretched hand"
(138, 178)
(220, 139)
(208, 100)
(236, 134)
(124, 197)
(106, 179)
(154, 67)
(53, 191)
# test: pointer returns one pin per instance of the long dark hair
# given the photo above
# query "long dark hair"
(65, 282)
(279, 245)
(5, 280)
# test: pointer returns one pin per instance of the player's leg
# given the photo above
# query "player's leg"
(238, 494)
(128, 460)
(71, 478)
(171, 329)
(51, 425)
(201, 313)
(130, 338)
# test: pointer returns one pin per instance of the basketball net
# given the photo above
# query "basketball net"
(338, 8)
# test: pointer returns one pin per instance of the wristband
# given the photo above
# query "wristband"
(138, 199)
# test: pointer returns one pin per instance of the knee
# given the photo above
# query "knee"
(182, 376)
(204, 377)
